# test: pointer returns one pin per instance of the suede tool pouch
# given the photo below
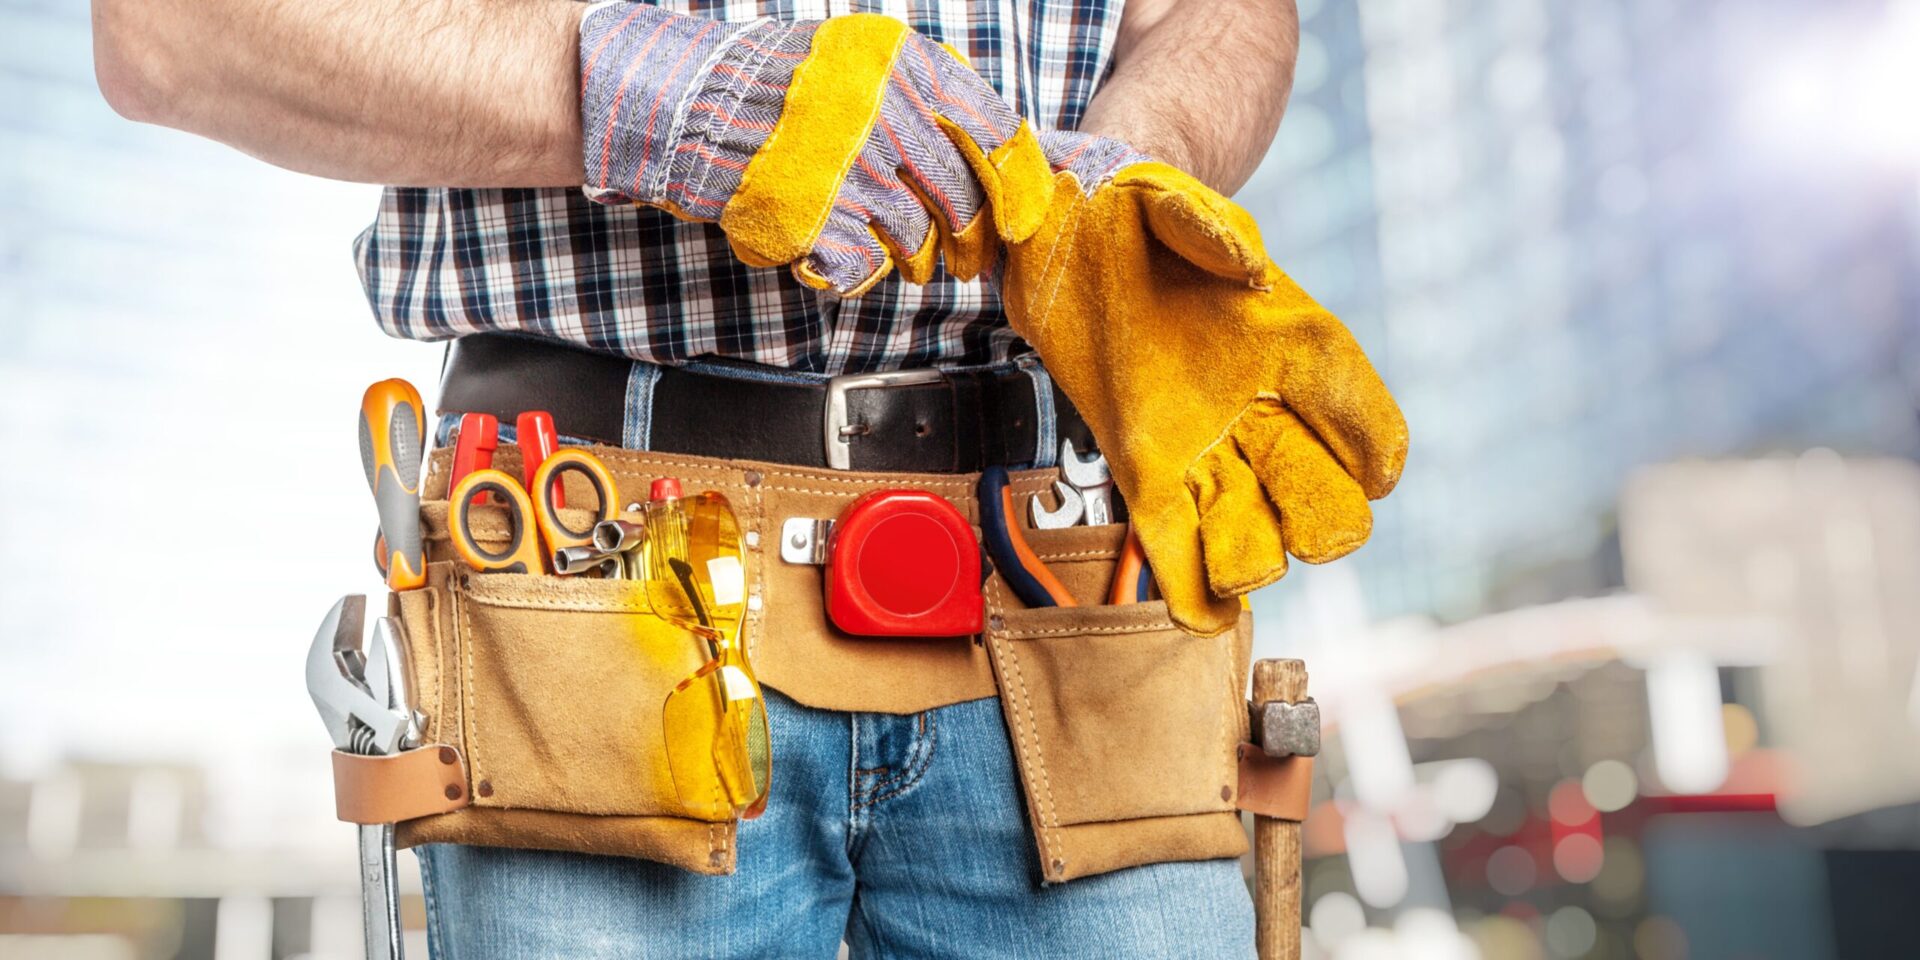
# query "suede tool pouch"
(552, 689)
(1124, 726)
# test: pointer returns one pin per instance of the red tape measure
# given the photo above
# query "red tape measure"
(904, 563)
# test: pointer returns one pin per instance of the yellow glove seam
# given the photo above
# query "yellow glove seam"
(1068, 232)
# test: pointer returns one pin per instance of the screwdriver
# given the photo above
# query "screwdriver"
(392, 424)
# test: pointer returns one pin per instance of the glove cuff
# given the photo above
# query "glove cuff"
(672, 106)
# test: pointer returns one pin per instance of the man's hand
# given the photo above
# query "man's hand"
(404, 92)
(844, 147)
(1201, 86)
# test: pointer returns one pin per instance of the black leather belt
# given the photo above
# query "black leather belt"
(916, 421)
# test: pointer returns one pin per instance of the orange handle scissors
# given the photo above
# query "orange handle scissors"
(532, 516)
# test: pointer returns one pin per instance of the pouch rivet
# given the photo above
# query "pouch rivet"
(716, 858)
(995, 623)
(486, 788)
(753, 478)
(1226, 793)
(447, 756)
(753, 539)
(453, 791)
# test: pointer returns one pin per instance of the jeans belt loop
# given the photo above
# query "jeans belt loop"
(840, 431)
(637, 432)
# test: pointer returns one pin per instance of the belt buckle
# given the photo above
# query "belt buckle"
(839, 430)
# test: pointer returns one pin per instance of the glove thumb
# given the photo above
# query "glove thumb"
(1196, 222)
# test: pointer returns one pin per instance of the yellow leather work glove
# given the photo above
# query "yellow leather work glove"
(1240, 419)
(842, 148)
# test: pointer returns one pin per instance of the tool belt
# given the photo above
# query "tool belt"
(542, 694)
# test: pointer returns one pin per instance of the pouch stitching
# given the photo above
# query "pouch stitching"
(439, 670)
(757, 501)
(1079, 555)
(573, 606)
(474, 774)
(640, 460)
(1043, 831)
(1088, 631)
(1224, 740)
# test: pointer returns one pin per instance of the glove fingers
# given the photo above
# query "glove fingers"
(847, 257)
(911, 131)
(897, 216)
(1329, 382)
(1324, 514)
(1167, 532)
(1239, 531)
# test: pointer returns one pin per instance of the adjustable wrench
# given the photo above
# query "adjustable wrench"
(1085, 491)
(358, 682)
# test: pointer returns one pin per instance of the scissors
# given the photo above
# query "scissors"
(533, 514)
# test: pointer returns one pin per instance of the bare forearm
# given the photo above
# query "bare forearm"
(1202, 86)
(426, 92)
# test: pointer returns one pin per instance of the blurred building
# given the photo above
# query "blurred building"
(1582, 237)
(1579, 239)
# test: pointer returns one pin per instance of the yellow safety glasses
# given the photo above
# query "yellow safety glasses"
(715, 721)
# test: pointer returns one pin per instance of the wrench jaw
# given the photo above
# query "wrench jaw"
(344, 668)
(1072, 508)
(390, 637)
(1085, 489)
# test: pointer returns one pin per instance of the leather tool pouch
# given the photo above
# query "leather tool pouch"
(1123, 725)
(551, 690)
(546, 692)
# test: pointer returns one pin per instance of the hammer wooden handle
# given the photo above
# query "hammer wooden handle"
(1276, 843)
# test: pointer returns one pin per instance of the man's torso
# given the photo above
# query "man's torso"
(441, 263)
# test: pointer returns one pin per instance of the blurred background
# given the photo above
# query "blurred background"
(1628, 670)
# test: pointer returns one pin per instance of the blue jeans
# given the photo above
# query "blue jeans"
(904, 835)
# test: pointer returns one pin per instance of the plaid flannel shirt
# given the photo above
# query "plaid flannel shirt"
(442, 263)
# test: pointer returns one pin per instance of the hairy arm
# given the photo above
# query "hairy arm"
(1200, 87)
(410, 92)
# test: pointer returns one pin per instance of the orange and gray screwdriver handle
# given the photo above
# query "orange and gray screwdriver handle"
(392, 427)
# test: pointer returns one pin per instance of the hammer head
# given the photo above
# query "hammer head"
(353, 683)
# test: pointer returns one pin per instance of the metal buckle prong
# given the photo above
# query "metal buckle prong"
(839, 430)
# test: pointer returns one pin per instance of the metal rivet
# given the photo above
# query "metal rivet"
(753, 539)
(1059, 864)
(486, 788)
(717, 858)
(995, 623)
(753, 478)
(1226, 793)
(447, 756)
(453, 791)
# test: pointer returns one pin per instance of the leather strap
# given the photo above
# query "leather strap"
(1280, 787)
(964, 422)
(400, 786)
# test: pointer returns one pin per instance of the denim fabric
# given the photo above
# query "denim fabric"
(904, 835)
